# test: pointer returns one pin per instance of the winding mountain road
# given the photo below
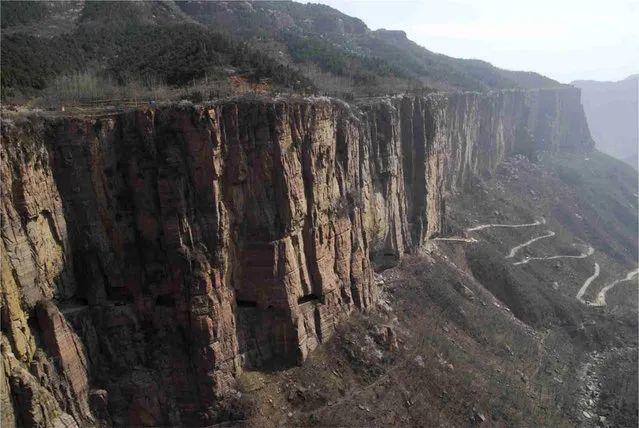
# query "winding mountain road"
(589, 251)
(584, 287)
(514, 250)
(456, 239)
(601, 297)
(486, 226)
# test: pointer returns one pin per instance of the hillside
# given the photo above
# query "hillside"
(343, 46)
(612, 109)
(133, 45)
(282, 46)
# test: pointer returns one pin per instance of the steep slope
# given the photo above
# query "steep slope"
(344, 46)
(579, 282)
(443, 69)
(593, 217)
(140, 44)
(462, 354)
(181, 244)
(285, 45)
(612, 110)
(53, 18)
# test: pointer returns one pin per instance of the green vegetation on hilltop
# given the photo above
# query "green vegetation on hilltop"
(29, 62)
(332, 36)
(177, 43)
(364, 70)
(175, 54)
(21, 13)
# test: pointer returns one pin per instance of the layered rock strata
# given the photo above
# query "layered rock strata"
(148, 256)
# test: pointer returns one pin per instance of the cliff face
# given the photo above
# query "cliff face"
(148, 257)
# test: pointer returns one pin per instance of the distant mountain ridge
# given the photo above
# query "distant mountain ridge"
(612, 112)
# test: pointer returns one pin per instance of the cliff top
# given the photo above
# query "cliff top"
(104, 108)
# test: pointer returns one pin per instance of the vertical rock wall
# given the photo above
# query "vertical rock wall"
(153, 254)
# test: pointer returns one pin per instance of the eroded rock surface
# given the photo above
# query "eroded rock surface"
(148, 257)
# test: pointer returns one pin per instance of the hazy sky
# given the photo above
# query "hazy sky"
(563, 39)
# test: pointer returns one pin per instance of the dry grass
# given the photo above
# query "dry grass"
(89, 89)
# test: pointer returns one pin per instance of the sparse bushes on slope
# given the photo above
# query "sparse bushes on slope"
(363, 69)
(174, 54)
(21, 12)
(30, 63)
(78, 85)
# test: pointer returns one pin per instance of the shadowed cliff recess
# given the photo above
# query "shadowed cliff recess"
(152, 255)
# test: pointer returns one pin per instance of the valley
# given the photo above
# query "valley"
(269, 214)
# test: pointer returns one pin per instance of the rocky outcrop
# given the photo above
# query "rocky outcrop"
(147, 257)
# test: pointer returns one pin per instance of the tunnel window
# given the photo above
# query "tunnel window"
(307, 298)
(166, 301)
(246, 304)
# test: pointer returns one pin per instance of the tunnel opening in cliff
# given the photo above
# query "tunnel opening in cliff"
(307, 298)
(384, 259)
(265, 336)
(165, 301)
(246, 303)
